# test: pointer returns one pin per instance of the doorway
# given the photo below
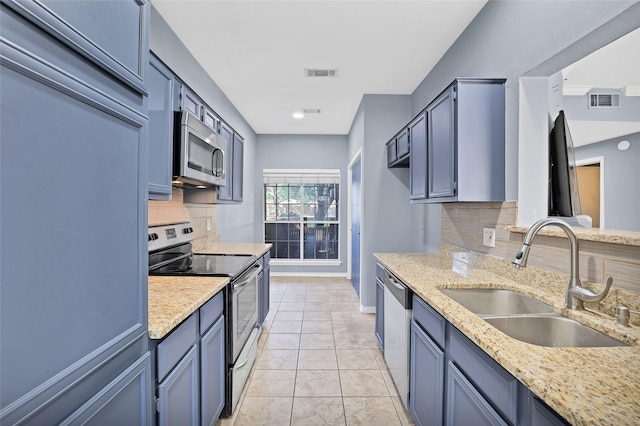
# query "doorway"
(590, 174)
(355, 173)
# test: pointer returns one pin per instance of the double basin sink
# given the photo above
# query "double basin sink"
(529, 320)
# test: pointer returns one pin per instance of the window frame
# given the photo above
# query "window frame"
(300, 177)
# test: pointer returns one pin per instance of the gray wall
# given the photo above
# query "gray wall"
(235, 222)
(509, 39)
(387, 213)
(621, 177)
(303, 152)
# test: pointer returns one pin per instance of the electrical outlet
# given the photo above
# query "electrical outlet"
(208, 224)
(489, 237)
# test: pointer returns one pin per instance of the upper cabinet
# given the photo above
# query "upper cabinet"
(189, 101)
(161, 92)
(398, 150)
(234, 164)
(457, 144)
(124, 57)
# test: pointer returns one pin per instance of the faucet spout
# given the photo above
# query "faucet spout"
(575, 294)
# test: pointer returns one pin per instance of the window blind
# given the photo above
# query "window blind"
(272, 176)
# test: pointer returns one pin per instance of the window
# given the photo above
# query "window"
(301, 214)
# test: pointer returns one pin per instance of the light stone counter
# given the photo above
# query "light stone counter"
(596, 386)
(173, 299)
(629, 238)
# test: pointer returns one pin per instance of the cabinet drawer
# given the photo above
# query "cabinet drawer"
(380, 272)
(430, 321)
(211, 311)
(494, 382)
(176, 344)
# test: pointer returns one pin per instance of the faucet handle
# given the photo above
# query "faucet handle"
(587, 295)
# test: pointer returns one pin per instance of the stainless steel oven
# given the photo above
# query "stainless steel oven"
(170, 254)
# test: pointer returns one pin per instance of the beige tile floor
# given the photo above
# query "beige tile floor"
(319, 362)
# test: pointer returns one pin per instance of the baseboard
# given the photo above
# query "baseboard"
(367, 309)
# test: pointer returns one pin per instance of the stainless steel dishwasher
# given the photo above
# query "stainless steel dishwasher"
(397, 323)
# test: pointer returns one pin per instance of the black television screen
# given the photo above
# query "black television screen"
(563, 181)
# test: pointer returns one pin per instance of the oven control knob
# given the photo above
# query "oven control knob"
(187, 230)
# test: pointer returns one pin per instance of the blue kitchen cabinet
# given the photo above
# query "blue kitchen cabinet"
(457, 144)
(426, 384)
(232, 191)
(380, 304)
(264, 288)
(418, 157)
(212, 361)
(178, 374)
(191, 369)
(178, 394)
(454, 382)
(189, 101)
(398, 149)
(73, 179)
(211, 119)
(160, 101)
(441, 177)
(465, 405)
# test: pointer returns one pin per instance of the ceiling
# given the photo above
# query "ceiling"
(257, 53)
(615, 66)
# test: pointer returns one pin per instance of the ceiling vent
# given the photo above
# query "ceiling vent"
(311, 111)
(604, 100)
(314, 72)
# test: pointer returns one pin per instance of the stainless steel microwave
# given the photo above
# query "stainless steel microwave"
(199, 153)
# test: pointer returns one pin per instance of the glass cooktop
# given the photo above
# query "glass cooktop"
(213, 265)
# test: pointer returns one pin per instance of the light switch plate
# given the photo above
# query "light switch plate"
(489, 237)
(208, 224)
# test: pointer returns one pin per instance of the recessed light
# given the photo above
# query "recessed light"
(298, 115)
(624, 145)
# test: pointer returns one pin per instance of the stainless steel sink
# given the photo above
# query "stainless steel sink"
(496, 301)
(551, 330)
(527, 319)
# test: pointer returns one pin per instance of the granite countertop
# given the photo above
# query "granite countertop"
(583, 385)
(629, 238)
(173, 299)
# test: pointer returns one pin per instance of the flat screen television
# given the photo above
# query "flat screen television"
(564, 199)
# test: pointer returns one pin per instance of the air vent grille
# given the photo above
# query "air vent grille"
(315, 72)
(311, 111)
(604, 100)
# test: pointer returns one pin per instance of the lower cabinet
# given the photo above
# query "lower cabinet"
(212, 373)
(454, 382)
(264, 287)
(426, 387)
(190, 368)
(178, 393)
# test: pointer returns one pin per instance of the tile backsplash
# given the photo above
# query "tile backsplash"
(463, 223)
(175, 211)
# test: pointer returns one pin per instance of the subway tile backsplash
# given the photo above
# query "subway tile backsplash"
(462, 225)
(176, 211)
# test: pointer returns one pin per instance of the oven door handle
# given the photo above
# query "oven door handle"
(246, 282)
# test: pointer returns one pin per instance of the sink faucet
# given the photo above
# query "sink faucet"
(575, 294)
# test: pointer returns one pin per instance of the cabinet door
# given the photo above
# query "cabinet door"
(465, 405)
(402, 145)
(160, 102)
(73, 172)
(392, 155)
(426, 383)
(418, 156)
(178, 394)
(380, 312)
(441, 152)
(211, 119)
(238, 168)
(212, 373)
(190, 102)
(225, 192)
